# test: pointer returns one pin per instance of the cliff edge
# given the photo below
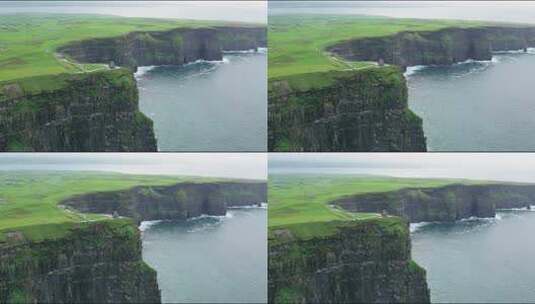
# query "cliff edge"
(366, 261)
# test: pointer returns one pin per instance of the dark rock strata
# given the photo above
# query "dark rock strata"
(363, 262)
(80, 112)
(443, 204)
(99, 111)
(175, 202)
(173, 47)
(351, 115)
(94, 263)
(441, 47)
(363, 110)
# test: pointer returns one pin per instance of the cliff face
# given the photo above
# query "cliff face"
(439, 47)
(95, 263)
(174, 47)
(363, 110)
(443, 204)
(180, 201)
(370, 114)
(79, 112)
(364, 262)
(99, 111)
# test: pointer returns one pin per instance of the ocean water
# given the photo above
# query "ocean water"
(208, 106)
(477, 106)
(210, 259)
(479, 261)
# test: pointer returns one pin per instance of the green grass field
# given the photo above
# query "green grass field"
(28, 41)
(297, 42)
(300, 202)
(29, 200)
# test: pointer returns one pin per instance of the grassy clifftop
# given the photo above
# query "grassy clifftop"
(300, 203)
(28, 42)
(29, 200)
(297, 43)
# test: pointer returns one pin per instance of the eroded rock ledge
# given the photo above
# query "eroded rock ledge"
(441, 47)
(363, 262)
(173, 47)
(176, 202)
(99, 111)
(101, 262)
(363, 110)
(96, 262)
(442, 204)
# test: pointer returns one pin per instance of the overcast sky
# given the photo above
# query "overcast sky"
(488, 166)
(234, 165)
(247, 11)
(503, 11)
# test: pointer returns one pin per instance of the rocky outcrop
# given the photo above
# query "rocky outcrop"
(363, 110)
(443, 204)
(74, 112)
(99, 111)
(363, 262)
(101, 262)
(440, 47)
(175, 202)
(352, 113)
(97, 262)
(172, 47)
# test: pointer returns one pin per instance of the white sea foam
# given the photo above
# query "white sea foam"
(250, 51)
(413, 227)
(142, 70)
(251, 206)
(413, 69)
(262, 50)
(531, 209)
(147, 224)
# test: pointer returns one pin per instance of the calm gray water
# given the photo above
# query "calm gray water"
(479, 261)
(211, 260)
(208, 106)
(477, 106)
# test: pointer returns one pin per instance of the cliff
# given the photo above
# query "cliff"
(176, 202)
(360, 110)
(366, 261)
(441, 47)
(173, 47)
(98, 262)
(99, 111)
(442, 204)
(74, 112)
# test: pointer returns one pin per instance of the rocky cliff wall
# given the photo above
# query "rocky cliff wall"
(180, 201)
(363, 262)
(443, 204)
(74, 112)
(96, 262)
(362, 110)
(173, 47)
(99, 111)
(441, 47)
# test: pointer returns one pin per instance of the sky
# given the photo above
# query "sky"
(502, 11)
(231, 165)
(517, 167)
(246, 11)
